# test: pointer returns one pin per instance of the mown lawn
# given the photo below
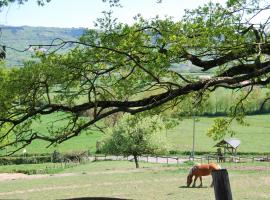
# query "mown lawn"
(121, 179)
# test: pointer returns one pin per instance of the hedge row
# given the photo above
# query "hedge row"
(24, 160)
(55, 157)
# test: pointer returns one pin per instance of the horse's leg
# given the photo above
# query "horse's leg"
(194, 183)
(201, 182)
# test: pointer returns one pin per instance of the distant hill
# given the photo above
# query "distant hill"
(21, 37)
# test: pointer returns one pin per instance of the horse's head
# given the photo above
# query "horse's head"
(189, 180)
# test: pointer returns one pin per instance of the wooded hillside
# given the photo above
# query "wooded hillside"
(21, 37)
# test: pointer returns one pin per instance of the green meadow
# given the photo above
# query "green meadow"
(255, 138)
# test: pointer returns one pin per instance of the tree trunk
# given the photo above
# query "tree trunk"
(136, 161)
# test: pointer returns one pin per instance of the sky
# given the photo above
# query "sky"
(82, 13)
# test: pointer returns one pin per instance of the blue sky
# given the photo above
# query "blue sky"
(82, 13)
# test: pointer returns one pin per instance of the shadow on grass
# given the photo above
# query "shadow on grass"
(183, 186)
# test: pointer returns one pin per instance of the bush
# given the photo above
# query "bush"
(75, 156)
(56, 157)
(24, 160)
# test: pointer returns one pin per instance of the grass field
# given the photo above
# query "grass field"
(120, 179)
(254, 138)
(86, 141)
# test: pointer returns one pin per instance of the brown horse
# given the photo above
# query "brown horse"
(199, 171)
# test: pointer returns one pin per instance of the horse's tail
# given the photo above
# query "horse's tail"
(194, 168)
(190, 171)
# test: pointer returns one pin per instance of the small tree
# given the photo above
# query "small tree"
(136, 135)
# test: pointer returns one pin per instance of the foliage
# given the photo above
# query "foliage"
(116, 68)
(136, 135)
(219, 129)
(4, 3)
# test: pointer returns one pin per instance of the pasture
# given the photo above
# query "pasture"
(254, 138)
(121, 179)
(152, 181)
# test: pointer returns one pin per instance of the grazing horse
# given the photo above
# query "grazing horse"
(199, 171)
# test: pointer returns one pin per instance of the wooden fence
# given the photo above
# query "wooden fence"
(146, 158)
(177, 160)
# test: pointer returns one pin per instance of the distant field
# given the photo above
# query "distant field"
(121, 179)
(86, 141)
(254, 138)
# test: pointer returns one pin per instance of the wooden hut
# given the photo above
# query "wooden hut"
(229, 145)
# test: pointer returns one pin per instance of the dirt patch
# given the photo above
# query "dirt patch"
(16, 176)
(12, 176)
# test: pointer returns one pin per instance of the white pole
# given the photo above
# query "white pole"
(193, 142)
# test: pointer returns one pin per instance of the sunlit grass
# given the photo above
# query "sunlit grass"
(121, 179)
(254, 138)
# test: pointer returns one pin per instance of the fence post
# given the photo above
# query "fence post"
(221, 184)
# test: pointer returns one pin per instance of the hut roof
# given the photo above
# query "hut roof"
(233, 142)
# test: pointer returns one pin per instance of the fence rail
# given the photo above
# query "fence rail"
(178, 160)
(215, 158)
(146, 158)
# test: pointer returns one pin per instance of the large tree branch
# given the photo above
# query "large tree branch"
(243, 69)
(143, 104)
(246, 51)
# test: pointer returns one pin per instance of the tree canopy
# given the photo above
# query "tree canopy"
(128, 68)
(136, 136)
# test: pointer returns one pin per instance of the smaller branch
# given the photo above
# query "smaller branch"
(263, 103)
